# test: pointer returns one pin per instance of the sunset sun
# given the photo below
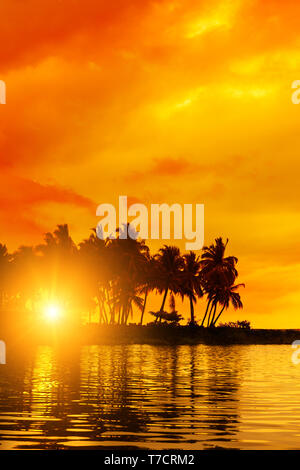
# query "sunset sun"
(52, 312)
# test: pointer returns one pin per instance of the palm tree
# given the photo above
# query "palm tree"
(129, 258)
(191, 281)
(148, 279)
(224, 297)
(27, 279)
(170, 264)
(126, 298)
(59, 268)
(213, 260)
(94, 274)
(57, 242)
(216, 271)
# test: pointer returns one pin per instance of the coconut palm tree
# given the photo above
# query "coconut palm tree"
(190, 284)
(58, 242)
(148, 279)
(27, 279)
(213, 260)
(126, 298)
(216, 271)
(59, 269)
(226, 296)
(170, 263)
(128, 256)
(93, 265)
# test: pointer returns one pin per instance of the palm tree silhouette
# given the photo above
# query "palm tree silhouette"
(112, 278)
(129, 255)
(59, 270)
(148, 279)
(191, 281)
(24, 260)
(93, 263)
(217, 271)
(170, 263)
(224, 296)
(213, 260)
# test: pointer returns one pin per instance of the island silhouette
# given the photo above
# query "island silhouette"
(92, 292)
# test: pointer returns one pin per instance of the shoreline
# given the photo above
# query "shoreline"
(181, 335)
(151, 334)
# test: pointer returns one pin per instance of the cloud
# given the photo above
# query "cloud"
(162, 167)
(20, 198)
(31, 31)
(17, 191)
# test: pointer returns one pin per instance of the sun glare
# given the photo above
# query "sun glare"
(52, 312)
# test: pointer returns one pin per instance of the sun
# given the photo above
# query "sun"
(52, 312)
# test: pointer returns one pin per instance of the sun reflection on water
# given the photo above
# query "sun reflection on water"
(151, 396)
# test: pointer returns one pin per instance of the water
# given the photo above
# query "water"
(151, 397)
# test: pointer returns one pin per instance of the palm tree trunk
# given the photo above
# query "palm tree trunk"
(164, 299)
(112, 303)
(99, 307)
(126, 311)
(163, 304)
(123, 313)
(212, 311)
(207, 307)
(104, 311)
(110, 307)
(215, 321)
(144, 307)
(192, 310)
(213, 315)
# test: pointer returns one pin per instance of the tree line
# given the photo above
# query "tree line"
(110, 278)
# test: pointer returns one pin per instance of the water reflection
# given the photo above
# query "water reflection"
(156, 397)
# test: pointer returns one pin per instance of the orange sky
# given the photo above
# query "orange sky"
(166, 101)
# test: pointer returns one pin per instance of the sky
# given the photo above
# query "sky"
(163, 101)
